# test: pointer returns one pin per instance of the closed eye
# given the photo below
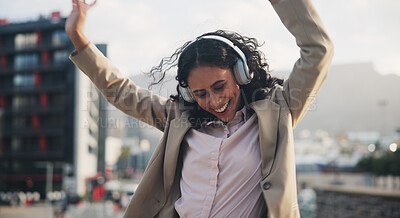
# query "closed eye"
(201, 95)
(220, 87)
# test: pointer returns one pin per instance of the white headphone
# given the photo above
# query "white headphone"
(240, 69)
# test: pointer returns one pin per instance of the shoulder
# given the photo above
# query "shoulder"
(276, 95)
(276, 100)
(176, 109)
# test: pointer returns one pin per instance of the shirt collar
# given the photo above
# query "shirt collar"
(240, 115)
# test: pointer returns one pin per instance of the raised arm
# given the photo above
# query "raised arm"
(316, 52)
(75, 21)
(118, 90)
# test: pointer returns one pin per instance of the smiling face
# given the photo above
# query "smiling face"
(216, 91)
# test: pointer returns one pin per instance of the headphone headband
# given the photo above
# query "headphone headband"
(231, 44)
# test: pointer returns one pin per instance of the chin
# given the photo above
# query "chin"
(226, 118)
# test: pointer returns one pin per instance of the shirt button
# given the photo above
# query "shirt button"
(267, 185)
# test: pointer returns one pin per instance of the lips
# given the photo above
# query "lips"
(222, 109)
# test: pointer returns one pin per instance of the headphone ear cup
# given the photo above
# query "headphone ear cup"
(241, 73)
(187, 94)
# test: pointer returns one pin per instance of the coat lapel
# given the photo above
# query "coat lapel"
(268, 121)
(177, 130)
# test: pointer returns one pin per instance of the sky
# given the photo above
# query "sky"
(139, 33)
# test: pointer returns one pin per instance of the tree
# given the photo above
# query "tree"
(387, 164)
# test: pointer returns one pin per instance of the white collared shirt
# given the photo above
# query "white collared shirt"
(222, 170)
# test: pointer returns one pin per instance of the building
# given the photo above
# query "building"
(50, 113)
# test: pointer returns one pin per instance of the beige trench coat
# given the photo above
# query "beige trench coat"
(278, 115)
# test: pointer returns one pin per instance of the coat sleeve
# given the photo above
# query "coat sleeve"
(120, 91)
(316, 52)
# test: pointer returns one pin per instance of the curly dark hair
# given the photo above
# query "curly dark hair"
(210, 52)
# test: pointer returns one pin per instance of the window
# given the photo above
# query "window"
(60, 57)
(16, 166)
(56, 79)
(58, 99)
(25, 40)
(58, 121)
(56, 144)
(59, 38)
(19, 102)
(6, 82)
(53, 122)
(30, 144)
(19, 122)
(3, 147)
(16, 144)
(24, 61)
(23, 80)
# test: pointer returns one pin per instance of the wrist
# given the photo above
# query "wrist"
(78, 39)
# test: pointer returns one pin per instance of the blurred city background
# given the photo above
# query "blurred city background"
(65, 152)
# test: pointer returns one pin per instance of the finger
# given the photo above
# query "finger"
(74, 3)
(81, 3)
(77, 1)
(93, 3)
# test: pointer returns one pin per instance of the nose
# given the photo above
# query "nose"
(215, 100)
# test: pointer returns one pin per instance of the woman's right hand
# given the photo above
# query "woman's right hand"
(75, 21)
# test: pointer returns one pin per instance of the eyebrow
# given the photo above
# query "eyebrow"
(214, 84)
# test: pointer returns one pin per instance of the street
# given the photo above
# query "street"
(84, 210)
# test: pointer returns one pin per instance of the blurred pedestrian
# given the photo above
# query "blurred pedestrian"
(65, 203)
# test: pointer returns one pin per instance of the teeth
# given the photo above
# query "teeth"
(222, 108)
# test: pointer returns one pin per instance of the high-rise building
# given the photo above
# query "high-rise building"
(50, 113)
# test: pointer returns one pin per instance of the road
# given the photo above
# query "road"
(84, 210)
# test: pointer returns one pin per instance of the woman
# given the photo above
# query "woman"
(227, 148)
